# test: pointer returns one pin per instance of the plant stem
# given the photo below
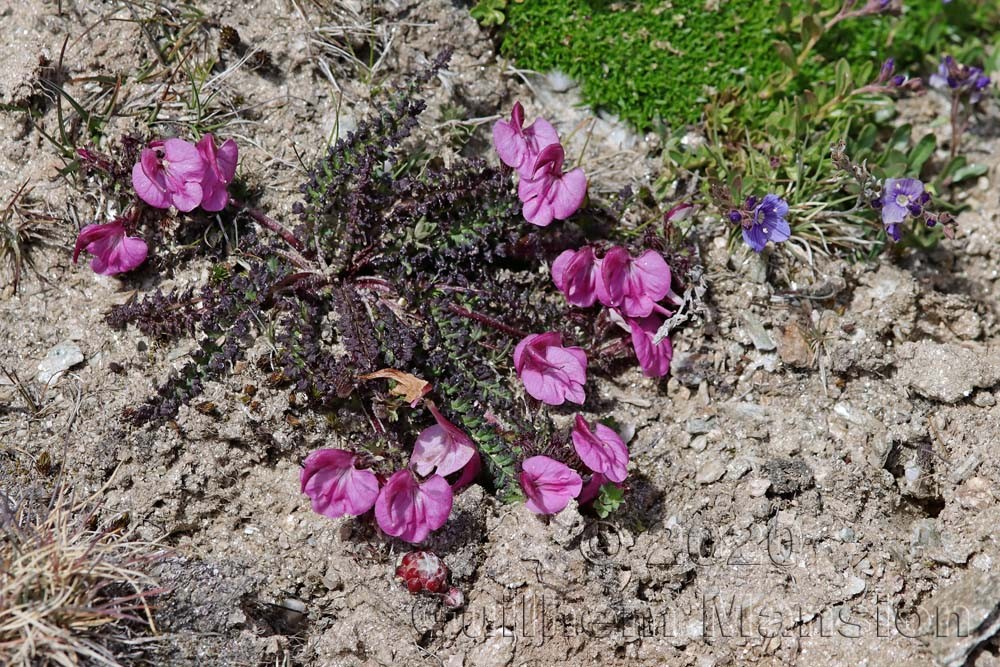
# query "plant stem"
(488, 321)
(270, 223)
(957, 126)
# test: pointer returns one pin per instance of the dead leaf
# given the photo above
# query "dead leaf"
(410, 387)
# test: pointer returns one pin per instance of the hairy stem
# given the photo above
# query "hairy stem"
(488, 321)
(270, 223)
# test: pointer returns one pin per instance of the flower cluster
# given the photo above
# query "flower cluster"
(888, 81)
(630, 287)
(549, 484)
(170, 172)
(410, 503)
(962, 79)
(905, 198)
(762, 220)
(896, 199)
(536, 154)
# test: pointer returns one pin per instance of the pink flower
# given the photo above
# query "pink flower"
(442, 446)
(335, 486)
(679, 213)
(549, 194)
(550, 372)
(113, 251)
(410, 510)
(169, 172)
(220, 168)
(634, 285)
(469, 473)
(602, 450)
(577, 274)
(591, 488)
(548, 484)
(518, 147)
(654, 359)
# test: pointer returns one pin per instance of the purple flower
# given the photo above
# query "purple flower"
(602, 450)
(442, 448)
(335, 486)
(550, 372)
(577, 274)
(901, 197)
(548, 484)
(113, 251)
(765, 221)
(549, 194)
(519, 147)
(410, 510)
(654, 359)
(633, 285)
(220, 168)
(169, 173)
(963, 79)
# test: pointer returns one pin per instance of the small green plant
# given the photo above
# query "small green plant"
(656, 64)
(491, 12)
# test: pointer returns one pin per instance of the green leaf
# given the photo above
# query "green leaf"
(609, 499)
(785, 54)
(969, 171)
(900, 138)
(811, 29)
(920, 154)
(843, 77)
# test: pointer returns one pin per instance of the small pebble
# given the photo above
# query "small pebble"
(710, 472)
(61, 358)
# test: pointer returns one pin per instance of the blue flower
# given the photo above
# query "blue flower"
(901, 197)
(961, 78)
(765, 222)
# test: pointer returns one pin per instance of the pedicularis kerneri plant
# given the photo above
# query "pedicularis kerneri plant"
(406, 303)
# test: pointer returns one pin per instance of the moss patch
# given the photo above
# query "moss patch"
(652, 61)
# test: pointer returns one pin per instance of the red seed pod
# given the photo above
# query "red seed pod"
(422, 571)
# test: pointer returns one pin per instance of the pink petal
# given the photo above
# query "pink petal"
(334, 486)
(550, 158)
(602, 451)
(510, 144)
(654, 359)
(575, 273)
(410, 511)
(614, 268)
(469, 473)
(550, 372)
(127, 254)
(517, 114)
(183, 160)
(548, 484)
(568, 194)
(88, 235)
(228, 157)
(187, 197)
(655, 274)
(542, 134)
(592, 488)
(148, 182)
(436, 448)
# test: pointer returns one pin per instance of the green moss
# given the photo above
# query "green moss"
(658, 61)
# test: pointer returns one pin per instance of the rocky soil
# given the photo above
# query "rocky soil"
(815, 484)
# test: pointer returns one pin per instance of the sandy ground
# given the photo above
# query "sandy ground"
(816, 484)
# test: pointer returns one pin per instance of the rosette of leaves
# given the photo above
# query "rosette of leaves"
(398, 263)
